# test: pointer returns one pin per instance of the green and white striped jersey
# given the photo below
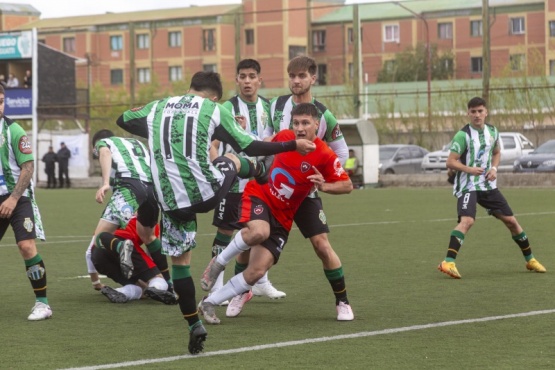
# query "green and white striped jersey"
(258, 116)
(15, 149)
(130, 158)
(476, 149)
(180, 130)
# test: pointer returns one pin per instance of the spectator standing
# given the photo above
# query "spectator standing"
(12, 81)
(3, 81)
(63, 163)
(28, 80)
(50, 160)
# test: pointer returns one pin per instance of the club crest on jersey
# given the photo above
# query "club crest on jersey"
(336, 132)
(28, 224)
(25, 145)
(305, 167)
(258, 210)
(322, 217)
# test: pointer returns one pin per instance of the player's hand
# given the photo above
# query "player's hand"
(100, 193)
(242, 121)
(305, 146)
(7, 207)
(476, 171)
(317, 179)
(491, 174)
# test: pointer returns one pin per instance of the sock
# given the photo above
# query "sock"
(455, 243)
(158, 283)
(524, 245)
(250, 168)
(220, 242)
(36, 273)
(185, 289)
(235, 286)
(240, 267)
(337, 282)
(219, 282)
(236, 246)
(264, 279)
(131, 291)
(161, 261)
(108, 241)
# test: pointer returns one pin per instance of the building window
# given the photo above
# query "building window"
(176, 74)
(143, 75)
(351, 36)
(209, 68)
(551, 28)
(391, 33)
(69, 44)
(174, 39)
(517, 62)
(209, 39)
(516, 26)
(116, 76)
(476, 28)
(322, 74)
(351, 71)
(445, 30)
(295, 50)
(143, 41)
(319, 40)
(249, 37)
(476, 65)
(116, 43)
(552, 67)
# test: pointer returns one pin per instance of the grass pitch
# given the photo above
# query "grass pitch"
(407, 314)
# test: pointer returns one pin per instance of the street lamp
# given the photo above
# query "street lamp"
(428, 60)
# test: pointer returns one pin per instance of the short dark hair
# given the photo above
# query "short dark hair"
(102, 134)
(305, 109)
(302, 63)
(249, 63)
(208, 82)
(2, 91)
(476, 102)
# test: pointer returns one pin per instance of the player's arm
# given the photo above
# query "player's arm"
(334, 137)
(491, 174)
(105, 159)
(134, 120)
(333, 179)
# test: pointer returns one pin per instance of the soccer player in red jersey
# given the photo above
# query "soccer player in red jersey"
(268, 210)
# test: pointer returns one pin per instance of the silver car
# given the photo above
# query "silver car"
(401, 158)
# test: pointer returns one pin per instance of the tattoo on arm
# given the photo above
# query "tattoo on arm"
(27, 170)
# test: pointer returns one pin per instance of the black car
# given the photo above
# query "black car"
(542, 159)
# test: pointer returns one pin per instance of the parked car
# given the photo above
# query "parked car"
(540, 160)
(401, 158)
(513, 145)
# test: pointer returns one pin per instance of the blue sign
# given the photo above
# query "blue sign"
(18, 102)
(17, 45)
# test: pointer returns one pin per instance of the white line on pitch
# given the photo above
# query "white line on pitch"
(315, 340)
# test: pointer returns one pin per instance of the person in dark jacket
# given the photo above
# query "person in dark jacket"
(63, 163)
(50, 160)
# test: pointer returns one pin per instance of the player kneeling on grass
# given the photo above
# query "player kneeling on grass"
(105, 260)
(268, 210)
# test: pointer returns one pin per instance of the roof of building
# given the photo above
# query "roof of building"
(138, 16)
(395, 10)
(21, 9)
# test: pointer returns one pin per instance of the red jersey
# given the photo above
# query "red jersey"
(287, 183)
(130, 232)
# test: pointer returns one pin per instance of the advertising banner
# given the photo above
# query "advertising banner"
(16, 45)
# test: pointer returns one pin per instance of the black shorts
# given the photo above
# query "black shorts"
(310, 217)
(492, 200)
(107, 262)
(254, 208)
(226, 214)
(22, 220)
(147, 213)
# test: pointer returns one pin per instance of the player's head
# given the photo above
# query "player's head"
(477, 111)
(305, 121)
(302, 74)
(476, 102)
(208, 84)
(248, 79)
(102, 134)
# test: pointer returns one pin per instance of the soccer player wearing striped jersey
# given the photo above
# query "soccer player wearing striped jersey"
(125, 166)
(180, 130)
(252, 112)
(475, 155)
(310, 218)
(18, 207)
(268, 210)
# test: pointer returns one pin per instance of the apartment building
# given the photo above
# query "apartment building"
(132, 48)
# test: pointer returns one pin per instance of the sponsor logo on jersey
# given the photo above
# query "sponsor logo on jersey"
(182, 105)
(28, 224)
(322, 216)
(338, 167)
(258, 209)
(305, 167)
(25, 145)
(137, 108)
(281, 185)
(336, 132)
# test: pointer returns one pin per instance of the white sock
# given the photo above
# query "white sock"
(235, 286)
(219, 282)
(158, 283)
(88, 257)
(236, 246)
(263, 279)
(131, 291)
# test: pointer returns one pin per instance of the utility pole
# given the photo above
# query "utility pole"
(485, 50)
(237, 37)
(309, 26)
(132, 63)
(428, 61)
(357, 62)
